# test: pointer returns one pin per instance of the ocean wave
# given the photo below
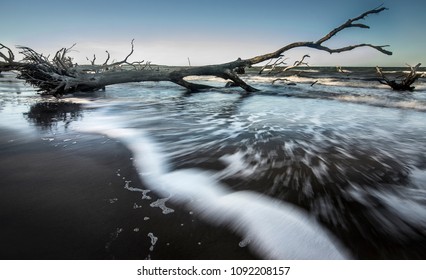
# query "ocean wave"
(384, 102)
(275, 229)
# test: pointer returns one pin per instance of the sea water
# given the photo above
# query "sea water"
(332, 167)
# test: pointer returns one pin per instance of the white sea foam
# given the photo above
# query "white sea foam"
(405, 213)
(382, 102)
(77, 100)
(161, 203)
(277, 230)
(154, 240)
(236, 165)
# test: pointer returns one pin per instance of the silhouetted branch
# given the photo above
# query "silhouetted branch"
(404, 84)
(92, 62)
(8, 59)
(106, 61)
(297, 63)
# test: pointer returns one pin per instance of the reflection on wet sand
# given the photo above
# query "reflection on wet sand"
(46, 114)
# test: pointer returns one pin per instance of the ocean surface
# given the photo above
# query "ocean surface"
(316, 165)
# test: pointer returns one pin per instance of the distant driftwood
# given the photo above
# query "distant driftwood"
(404, 83)
(58, 75)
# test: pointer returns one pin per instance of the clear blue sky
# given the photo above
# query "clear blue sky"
(167, 32)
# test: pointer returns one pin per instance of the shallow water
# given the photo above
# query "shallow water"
(333, 170)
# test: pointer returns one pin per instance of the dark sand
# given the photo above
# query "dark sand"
(68, 202)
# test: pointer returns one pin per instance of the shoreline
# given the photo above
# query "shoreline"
(84, 211)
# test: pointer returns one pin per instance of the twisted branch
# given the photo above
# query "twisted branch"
(404, 84)
(7, 59)
(318, 44)
(297, 63)
(350, 23)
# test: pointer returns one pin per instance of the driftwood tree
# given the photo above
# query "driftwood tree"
(273, 64)
(401, 83)
(58, 76)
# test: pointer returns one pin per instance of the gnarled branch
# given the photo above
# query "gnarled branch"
(273, 64)
(7, 59)
(107, 59)
(297, 63)
(402, 85)
(351, 23)
(92, 61)
(318, 44)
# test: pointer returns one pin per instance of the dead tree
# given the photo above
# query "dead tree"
(404, 83)
(59, 76)
(297, 63)
(8, 63)
(273, 63)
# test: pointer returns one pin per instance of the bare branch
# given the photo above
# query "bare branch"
(297, 63)
(10, 58)
(106, 61)
(350, 23)
(318, 44)
(349, 48)
(403, 85)
(191, 86)
(234, 77)
(266, 65)
(277, 62)
(92, 62)
(124, 61)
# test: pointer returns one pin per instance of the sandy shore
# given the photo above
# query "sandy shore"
(69, 202)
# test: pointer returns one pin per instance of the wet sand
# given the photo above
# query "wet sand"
(69, 202)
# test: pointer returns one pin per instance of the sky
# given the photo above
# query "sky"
(211, 32)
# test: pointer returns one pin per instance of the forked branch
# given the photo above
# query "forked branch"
(297, 63)
(404, 84)
(10, 57)
(319, 43)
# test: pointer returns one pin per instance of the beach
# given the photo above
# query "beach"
(148, 171)
(70, 203)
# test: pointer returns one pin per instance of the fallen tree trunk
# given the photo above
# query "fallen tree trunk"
(59, 75)
(404, 84)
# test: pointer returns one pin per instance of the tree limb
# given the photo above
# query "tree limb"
(92, 62)
(106, 61)
(318, 44)
(297, 63)
(403, 85)
(125, 59)
(350, 23)
(234, 77)
(8, 59)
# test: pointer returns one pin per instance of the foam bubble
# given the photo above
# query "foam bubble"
(161, 203)
(154, 240)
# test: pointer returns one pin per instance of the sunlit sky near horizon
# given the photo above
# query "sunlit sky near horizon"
(210, 32)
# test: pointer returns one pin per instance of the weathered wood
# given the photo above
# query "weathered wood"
(404, 84)
(60, 76)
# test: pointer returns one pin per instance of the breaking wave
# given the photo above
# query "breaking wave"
(275, 229)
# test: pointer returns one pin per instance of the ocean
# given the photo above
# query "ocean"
(316, 165)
